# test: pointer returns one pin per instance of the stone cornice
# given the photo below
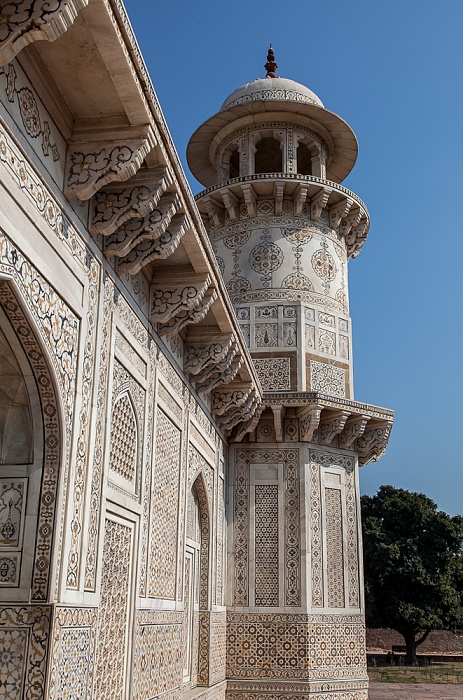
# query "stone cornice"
(329, 421)
(347, 213)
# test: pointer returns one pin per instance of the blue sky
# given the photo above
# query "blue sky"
(393, 70)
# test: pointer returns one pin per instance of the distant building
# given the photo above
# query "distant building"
(178, 472)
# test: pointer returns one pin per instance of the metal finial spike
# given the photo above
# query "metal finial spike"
(271, 66)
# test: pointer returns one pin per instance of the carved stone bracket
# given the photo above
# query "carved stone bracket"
(232, 371)
(299, 197)
(278, 191)
(357, 237)
(214, 211)
(22, 23)
(209, 377)
(339, 211)
(354, 428)
(231, 202)
(372, 444)
(240, 415)
(159, 249)
(113, 206)
(229, 399)
(350, 221)
(175, 294)
(309, 420)
(149, 227)
(93, 162)
(248, 426)
(332, 426)
(185, 318)
(249, 198)
(278, 412)
(318, 203)
(204, 352)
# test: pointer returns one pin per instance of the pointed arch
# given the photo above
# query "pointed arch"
(47, 419)
(200, 489)
(124, 438)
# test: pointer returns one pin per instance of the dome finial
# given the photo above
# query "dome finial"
(271, 66)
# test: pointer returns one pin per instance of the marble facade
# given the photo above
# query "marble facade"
(179, 441)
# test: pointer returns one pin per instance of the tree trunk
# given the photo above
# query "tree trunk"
(411, 644)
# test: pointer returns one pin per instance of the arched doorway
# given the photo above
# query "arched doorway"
(30, 452)
(196, 578)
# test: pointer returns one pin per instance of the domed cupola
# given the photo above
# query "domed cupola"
(320, 143)
(283, 228)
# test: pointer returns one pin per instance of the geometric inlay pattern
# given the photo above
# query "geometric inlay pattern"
(352, 538)
(266, 545)
(273, 373)
(334, 548)
(310, 647)
(266, 535)
(316, 532)
(327, 379)
(74, 636)
(113, 611)
(292, 547)
(157, 666)
(123, 455)
(24, 634)
(164, 509)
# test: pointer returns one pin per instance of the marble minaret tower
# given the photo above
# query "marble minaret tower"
(283, 229)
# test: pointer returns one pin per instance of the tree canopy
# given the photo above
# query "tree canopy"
(413, 560)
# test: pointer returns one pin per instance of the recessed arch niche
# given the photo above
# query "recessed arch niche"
(30, 454)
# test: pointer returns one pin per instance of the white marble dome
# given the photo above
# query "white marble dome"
(274, 89)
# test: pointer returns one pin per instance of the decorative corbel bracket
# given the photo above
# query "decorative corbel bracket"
(353, 429)
(209, 377)
(278, 191)
(217, 377)
(339, 211)
(299, 197)
(231, 202)
(278, 412)
(356, 238)
(350, 221)
(249, 198)
(94, 160)
(231, 372)
(113, 205)
(228, 399)
(372, 444)
(185, 318)
(240, 415)
(332, 426)
(204, 352)
(214, 211)
(22, 23)
(309, 420)
(159, 249)
(318, 203)
(175, 293)
(248, 426)
(152, 226)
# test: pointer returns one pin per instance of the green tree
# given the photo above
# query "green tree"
(413, 565)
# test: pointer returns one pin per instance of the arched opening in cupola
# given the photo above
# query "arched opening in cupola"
(304, 160)
(234, 168)
(268, 157)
